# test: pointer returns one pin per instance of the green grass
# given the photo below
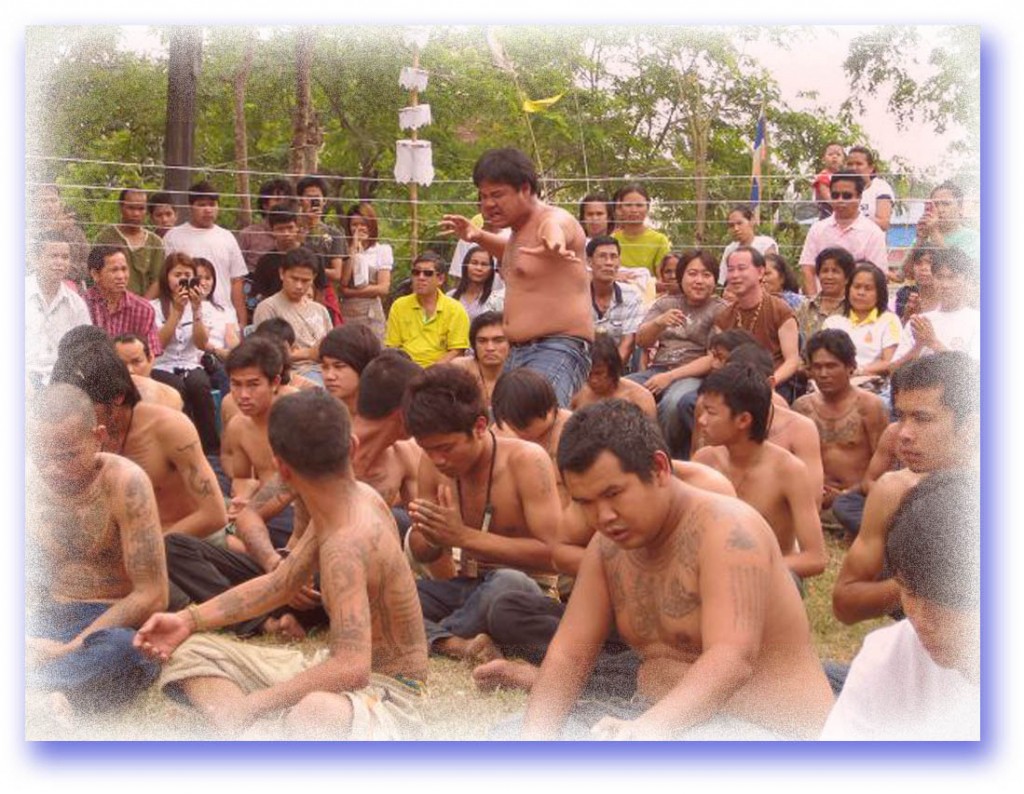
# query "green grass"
(453, 709)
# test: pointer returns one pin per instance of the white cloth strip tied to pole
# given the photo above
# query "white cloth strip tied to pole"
(414, 162)
(413, 79)
(414, 117)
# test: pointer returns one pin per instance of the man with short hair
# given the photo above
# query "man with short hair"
(327, 242)
(162, 214)
(48, 214)
(605, 381)
(850, 422)
(200, 236)
(111, 306)
(491, 497)
(547, 308)
(282, 224)
(618, 308)
(737, 401)
(94, 558)
(919, 679)
(308, 319)
(936, 402)
(52, 308)
(846, 228)
(490, 349)
(162, 441)
(767, 317)
(256, 239)
(428, 325)
(144, 249)
(694, 583)
(134, 351)
(369, 684)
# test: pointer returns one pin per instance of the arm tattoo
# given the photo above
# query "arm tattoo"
(272, 490)
(199, 484)
(749, 586)
(740, 539)
(136, 505)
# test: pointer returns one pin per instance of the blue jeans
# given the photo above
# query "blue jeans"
(563, 360)
(459, 607)
(106, 673)
(677, 434)
(848, 508)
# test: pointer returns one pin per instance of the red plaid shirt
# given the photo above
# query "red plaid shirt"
(133, 316)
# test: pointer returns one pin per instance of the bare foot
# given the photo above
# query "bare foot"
(286, 627)
(480, 648)
(508, 673)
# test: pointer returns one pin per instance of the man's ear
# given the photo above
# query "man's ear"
(480, 426)
(353, 446)
(662, 467)
(284, 470)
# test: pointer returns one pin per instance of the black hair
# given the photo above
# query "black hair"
(605, 351)
(202, 190)
(463, 284)
(45, 236)
(602, 239)
(81, 336)
(731, 339)
(355, 345)
(834, 341)
(432, 256)
(864, 150)
(444, 399)
(955, 260)
(632, 187)
(743, 209)
(933, 544)
(278, 329)
(199, 262)
(953, 371)
(300, 257)
(840, 256)
(125, 191)
(779, 264)
(599, 198)
(483, 320)
(744, 390)
(507, 166)
(311, 432)
(953, 188)
(257, 351)
(881, 287)
(521, 396)
(131, 339)
(285, 212)
(855, 179)
(160, 197)
(614, 426)
(311, 181)
(383, 382)
(756, 257)
(687, 255)
(99, 254)
(271, 188)
(753, 355)
(94, 367)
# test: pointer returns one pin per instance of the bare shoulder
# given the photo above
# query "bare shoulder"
(117, 472)
(465, 362)
(703, 477)
(171, 427)
(715, 457)
(523, 455)
(804, 406)
(869, 403)
(892, 485)
(728, 523)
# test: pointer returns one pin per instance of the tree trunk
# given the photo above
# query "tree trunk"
(239, 81)
(184, 62)
(306, 133)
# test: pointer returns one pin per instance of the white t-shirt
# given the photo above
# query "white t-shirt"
(217, 322)
(216, 244)
(878, 189)
(761, 242)
(959, 330)
(368, 263)
(894, 691)
(870, 337)
(180, 352)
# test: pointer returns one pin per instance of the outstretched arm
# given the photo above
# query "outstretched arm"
(461, 226)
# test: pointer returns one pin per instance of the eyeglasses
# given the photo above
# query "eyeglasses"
(427, 273)
(845, 195)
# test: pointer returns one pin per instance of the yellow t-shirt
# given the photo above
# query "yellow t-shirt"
(427, 339)
(646, 249)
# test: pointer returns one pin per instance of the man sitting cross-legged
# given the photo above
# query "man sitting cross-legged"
(493, 498)
(694, 583)
(850, 422)
(737, 400)
(605, 381)
(94, 559)
(160, 440)
(368, 684)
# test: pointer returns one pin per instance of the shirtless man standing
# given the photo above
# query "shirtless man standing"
(547, 296)
(936, 401)
(94, 559)
(490, 349)
(493, 498)
(162, 441)
(737, 401)
(369, 684)
(695, 584)
(850, 420)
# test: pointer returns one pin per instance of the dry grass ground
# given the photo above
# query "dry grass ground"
(453, 709)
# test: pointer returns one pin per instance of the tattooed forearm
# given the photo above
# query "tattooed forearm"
(749, 594)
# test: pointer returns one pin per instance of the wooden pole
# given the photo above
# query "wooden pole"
(414, 192)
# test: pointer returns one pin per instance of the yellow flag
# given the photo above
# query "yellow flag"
(537, 105)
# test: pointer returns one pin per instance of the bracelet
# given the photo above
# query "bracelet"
(193, 610)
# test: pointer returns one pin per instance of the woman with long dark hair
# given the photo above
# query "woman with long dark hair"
(372, 262)
(475, 290)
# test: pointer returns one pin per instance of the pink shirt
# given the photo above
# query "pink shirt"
(862, 238)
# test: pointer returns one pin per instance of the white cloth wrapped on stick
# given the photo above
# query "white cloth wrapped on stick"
(414, 117)
(414, 162)
(412, 79)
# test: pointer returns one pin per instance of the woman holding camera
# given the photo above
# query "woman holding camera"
(182, 325)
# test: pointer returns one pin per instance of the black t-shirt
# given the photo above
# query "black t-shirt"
(266, 278)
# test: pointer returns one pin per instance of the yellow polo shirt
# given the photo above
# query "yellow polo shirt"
(427, 339)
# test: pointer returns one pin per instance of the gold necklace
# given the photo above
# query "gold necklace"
(757, 314)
